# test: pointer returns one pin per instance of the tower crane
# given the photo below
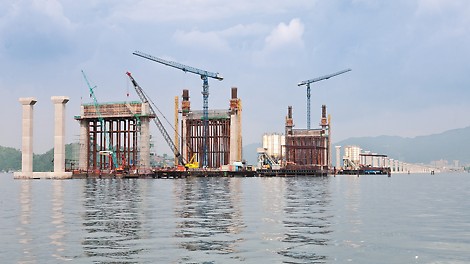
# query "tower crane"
(109, 148)
(144, 99)
(205, 92)
(308, 82)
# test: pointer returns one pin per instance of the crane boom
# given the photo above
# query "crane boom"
(325, 77)
(205, 93)
(308, 82)
(143, 97)
(110, 148)
(180, 66)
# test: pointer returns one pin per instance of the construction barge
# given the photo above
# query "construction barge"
(176, 174)
(366, 171)
(167, 174)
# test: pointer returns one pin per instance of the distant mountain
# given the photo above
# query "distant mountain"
(450, 145)
(250, 154)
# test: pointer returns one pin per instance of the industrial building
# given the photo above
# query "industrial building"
(114, 135)
(307, 149)
(224, 136)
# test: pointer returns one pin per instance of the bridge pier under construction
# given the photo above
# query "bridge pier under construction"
(224, 137)
(126, 129)
(307, 149)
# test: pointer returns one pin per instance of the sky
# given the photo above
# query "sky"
(410, 61)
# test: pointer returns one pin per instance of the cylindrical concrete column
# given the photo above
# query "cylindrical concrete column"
(145, 137)
(233, 157)
(27, 135)
(338, 157)
(59, 132)
(84, 145)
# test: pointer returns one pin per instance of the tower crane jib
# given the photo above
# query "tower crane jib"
(308, 82)
(205, 75)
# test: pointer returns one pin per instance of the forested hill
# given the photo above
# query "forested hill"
(10, 159)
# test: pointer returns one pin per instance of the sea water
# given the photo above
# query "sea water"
(407, 218)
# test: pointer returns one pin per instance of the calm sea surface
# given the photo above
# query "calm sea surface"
(345, 219)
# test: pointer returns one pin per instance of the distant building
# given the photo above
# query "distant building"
(352, 156)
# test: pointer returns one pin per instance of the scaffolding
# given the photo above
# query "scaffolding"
(218, 140)
(126, 126)
(224, 139)
(307, 149)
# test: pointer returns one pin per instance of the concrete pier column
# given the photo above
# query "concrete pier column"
(235, 139)
(59, 133)
(235, 128)
(338, 157)
(84, 145)
(27, 137)
(145, 137)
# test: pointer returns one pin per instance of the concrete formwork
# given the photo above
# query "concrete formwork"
(307, 148)
(119, 128)
(224, 140)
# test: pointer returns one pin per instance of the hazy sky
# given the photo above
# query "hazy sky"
(410, 61)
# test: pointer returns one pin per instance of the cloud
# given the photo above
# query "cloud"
(204, 10)
(245, 30)
(222, 40)
(53, 9)
(285, 36)
(207, 40)
(36, 29)
(440, 6)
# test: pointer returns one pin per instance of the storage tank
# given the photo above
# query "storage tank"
(273, 144)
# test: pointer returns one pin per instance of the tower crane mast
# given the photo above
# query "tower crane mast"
(109, 148)
(143, 97)
(308, 82)
(205, 92)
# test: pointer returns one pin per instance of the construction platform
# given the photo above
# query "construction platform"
(176, 174)
(168, 174)
(366, 171)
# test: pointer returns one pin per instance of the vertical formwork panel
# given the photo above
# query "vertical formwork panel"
(305, 151)
(118, 139)
(136, 139)
(110, 143)
(218, 143)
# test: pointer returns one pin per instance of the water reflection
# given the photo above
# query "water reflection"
(24, 232)
(111, 220)
(353, 198)
(307, 221)
(231, 220)
(208, 215)
(58, 219)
